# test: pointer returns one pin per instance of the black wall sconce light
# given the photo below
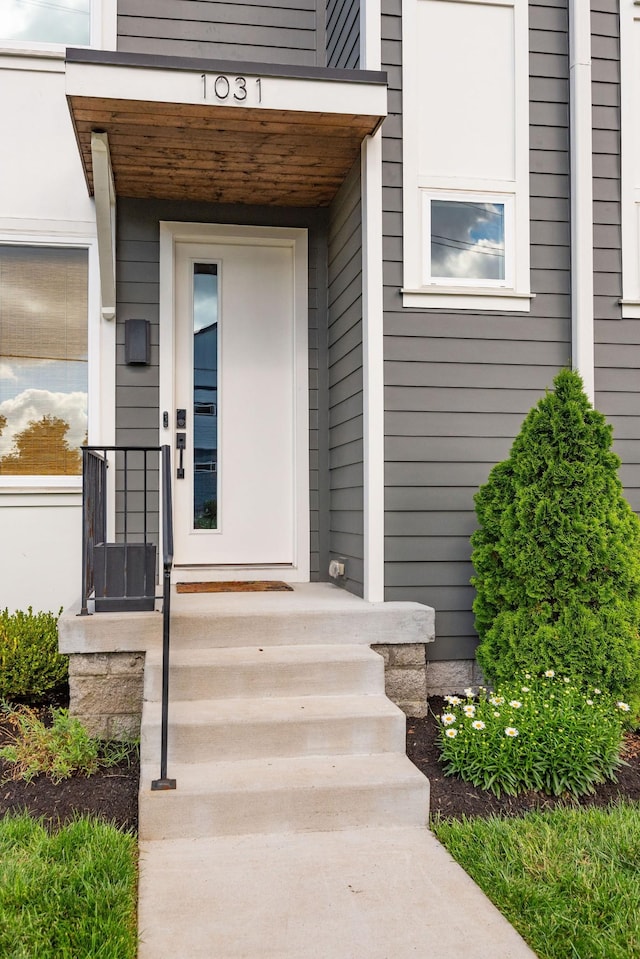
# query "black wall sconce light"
(137, 342)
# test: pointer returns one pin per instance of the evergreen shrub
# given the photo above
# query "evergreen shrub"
(30, 665)
(557, 553)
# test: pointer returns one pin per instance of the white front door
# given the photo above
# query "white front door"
(239, 416)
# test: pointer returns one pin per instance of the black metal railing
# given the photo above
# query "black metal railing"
(94, 516)
(119, 571)
(121, 575)
(167, 562)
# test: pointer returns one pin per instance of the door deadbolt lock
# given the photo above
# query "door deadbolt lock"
(181, 419)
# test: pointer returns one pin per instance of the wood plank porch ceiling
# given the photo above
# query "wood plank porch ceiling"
(220, 155)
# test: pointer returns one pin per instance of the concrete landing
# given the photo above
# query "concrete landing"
(391, 893)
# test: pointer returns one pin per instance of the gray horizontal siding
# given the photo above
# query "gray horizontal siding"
(138, 297)
(617, 344)
(251, 30)
(343, 33)
(457, 386)
(344, 372)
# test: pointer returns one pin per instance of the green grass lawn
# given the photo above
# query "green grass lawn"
(568, 880)
(66, 895)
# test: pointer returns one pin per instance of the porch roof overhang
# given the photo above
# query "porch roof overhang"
(222, 132)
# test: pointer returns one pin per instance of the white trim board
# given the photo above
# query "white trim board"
(157, 85)
(509, 174)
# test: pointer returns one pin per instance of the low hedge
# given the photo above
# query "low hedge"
(30, 665)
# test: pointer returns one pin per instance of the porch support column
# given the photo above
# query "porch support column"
(105, 199)
(582, 323)
(373, 368)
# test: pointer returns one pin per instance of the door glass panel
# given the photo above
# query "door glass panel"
(205, 396)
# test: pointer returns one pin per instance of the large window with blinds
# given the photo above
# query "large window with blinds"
(43, 360)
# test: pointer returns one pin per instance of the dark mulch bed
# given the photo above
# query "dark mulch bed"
(451, 796)
(112, 794)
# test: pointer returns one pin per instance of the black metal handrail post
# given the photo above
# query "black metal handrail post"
(94, 467)
(167, 562)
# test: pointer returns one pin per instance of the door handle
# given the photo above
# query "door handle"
(181, 444)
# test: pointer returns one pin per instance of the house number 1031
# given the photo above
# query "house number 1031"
(225, 88)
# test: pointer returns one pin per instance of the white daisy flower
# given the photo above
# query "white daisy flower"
(624, 707)
(515, 703)
(451, 733)
(469, 711)
(496, 700)
(550, 673)
(525, 689)
(478, 724)
(597, 691)
(589, 702)
(511, 732)
(448, 718)
(453, 700)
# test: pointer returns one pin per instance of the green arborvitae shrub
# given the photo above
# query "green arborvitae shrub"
(30, 665)
(557, 554)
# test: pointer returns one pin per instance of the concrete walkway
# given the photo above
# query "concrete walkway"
(298, 828)
(356, 894)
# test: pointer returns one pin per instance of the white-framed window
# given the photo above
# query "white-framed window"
(49, 26)
(630, 150)
(468, 239)
(466, 154)
(47, 345)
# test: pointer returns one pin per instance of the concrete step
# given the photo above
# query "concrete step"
(283, 795)
(265, 672)
(232, 729)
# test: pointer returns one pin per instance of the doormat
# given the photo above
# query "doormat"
(235, 586)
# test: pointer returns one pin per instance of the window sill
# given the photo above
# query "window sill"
(630, 309)
(472, 298)
(36, 485)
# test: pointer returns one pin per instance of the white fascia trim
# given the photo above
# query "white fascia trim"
(155, 85)
(370, 35)
(416, 295)
(105, 203)
(580, 134)
(373, 367)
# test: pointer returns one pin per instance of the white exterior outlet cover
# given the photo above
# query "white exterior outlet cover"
(336, 569)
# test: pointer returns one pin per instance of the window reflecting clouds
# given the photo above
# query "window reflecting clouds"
(467, 240)
(46, 21)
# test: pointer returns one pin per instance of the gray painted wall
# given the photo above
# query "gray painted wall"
(137, 388)
(459, 385)
(617, 341)
(289, 32)
(344, 362)
(343, 33)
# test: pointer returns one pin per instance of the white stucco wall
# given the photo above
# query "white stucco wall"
(40, 550)
(43, 197)
(42, 178)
